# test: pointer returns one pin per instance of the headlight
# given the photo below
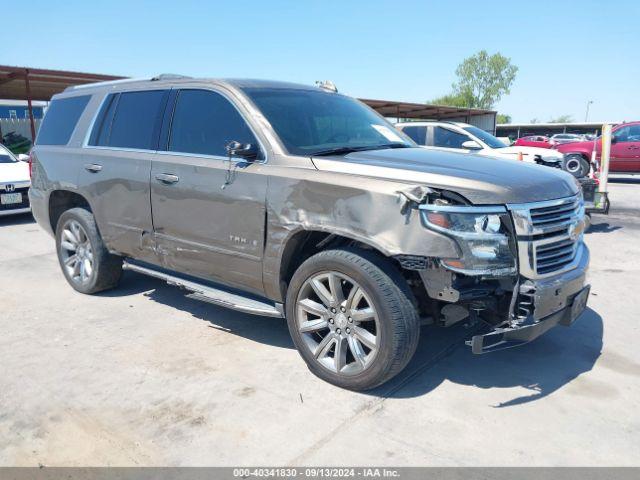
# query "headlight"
(480, 232)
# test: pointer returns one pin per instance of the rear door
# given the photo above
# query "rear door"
(625, 151)
(117, 165)
(208, 212)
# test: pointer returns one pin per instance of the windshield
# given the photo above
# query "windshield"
(486, 137)
(6, 156)
(311, 122)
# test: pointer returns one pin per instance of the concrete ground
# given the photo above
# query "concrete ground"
(143, 376)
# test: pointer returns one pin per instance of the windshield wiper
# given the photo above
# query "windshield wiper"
(393, 145)
(345, 150)
(338, 151)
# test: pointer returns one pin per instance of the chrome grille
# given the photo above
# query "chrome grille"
(548, 235)
(555, 217)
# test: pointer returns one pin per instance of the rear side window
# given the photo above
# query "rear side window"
(130, 120)
(418, 134)
(443, 137)
(61, 119)
(205, 122)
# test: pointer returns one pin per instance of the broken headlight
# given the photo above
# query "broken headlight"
(482, 234)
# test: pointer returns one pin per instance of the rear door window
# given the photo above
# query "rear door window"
(130, 120)
(61, 119)
(137, 117)
(417, 133)
(204, 122)
(443, 137)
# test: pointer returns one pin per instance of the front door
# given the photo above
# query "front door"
(625, 149)
(209, 213)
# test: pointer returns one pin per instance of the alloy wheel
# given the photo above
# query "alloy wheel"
(338, 322)
(76, 252)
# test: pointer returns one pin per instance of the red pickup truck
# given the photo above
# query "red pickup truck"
(625, 151)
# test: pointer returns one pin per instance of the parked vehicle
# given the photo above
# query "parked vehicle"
(624, 156)
(14, 183)
(539, 141)
(461, 137)
(561, 138)
(292, 201)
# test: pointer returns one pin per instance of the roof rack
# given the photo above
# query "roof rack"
(101, 84)
(162, 76)
(169, 76)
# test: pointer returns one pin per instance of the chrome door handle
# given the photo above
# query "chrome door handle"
(167, 178)
(93, 167)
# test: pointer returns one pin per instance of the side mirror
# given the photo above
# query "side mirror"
(471, 145)
(247, 151)
(22, 157)
(614, 139)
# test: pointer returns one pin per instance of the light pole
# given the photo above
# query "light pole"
(586, 115)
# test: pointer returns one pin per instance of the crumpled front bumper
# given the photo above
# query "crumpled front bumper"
(557, 300)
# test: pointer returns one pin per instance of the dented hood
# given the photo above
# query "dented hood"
(482, 180)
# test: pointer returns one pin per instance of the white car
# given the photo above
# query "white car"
(14, 183)
(463, 137)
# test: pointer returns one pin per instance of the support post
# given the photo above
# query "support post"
(604, 157)
(30, 106)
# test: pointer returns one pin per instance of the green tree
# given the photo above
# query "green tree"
(562, 119)
(482, 80)
(450, 100)
(503, 118)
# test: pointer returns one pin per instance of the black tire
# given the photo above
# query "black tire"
(576, 165)
(398, 320)
(107, 268)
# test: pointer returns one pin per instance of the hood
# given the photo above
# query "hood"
(482, 180)
(14, 172)
(568, 147)
(533, 151)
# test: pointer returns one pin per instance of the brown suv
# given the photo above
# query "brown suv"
(294, 201)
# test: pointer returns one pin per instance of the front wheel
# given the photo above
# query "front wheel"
(576, 165)
(352, 318)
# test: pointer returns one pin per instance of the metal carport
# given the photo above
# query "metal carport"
(22, 83)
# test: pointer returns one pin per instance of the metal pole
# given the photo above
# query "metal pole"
(586, 115)
(31, 121)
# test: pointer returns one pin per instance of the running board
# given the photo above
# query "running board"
(212, 295)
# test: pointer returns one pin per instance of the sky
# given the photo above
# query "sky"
(567, 52)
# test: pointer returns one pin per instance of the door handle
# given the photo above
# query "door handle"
(93, 167)
(167, 178)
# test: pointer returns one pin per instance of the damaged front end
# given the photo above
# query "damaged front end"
(520, 269)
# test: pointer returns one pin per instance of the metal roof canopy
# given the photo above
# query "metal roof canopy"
(388, 108)
(21, 83)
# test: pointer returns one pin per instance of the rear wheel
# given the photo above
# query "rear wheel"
(85, 261)
(352, 318)
(576, 165)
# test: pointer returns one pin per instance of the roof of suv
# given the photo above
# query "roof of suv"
(171, 80)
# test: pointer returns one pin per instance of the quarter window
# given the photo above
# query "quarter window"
(205, 122)
(61, 119)
(443, 137)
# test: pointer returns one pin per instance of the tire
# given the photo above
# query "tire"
(576, 165)
(384, 307)
(93, 269)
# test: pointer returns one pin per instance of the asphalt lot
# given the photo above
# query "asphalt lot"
(144, 376)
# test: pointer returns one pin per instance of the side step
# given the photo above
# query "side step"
(212, 295)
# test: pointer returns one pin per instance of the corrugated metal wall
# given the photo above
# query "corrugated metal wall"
(486, 121)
